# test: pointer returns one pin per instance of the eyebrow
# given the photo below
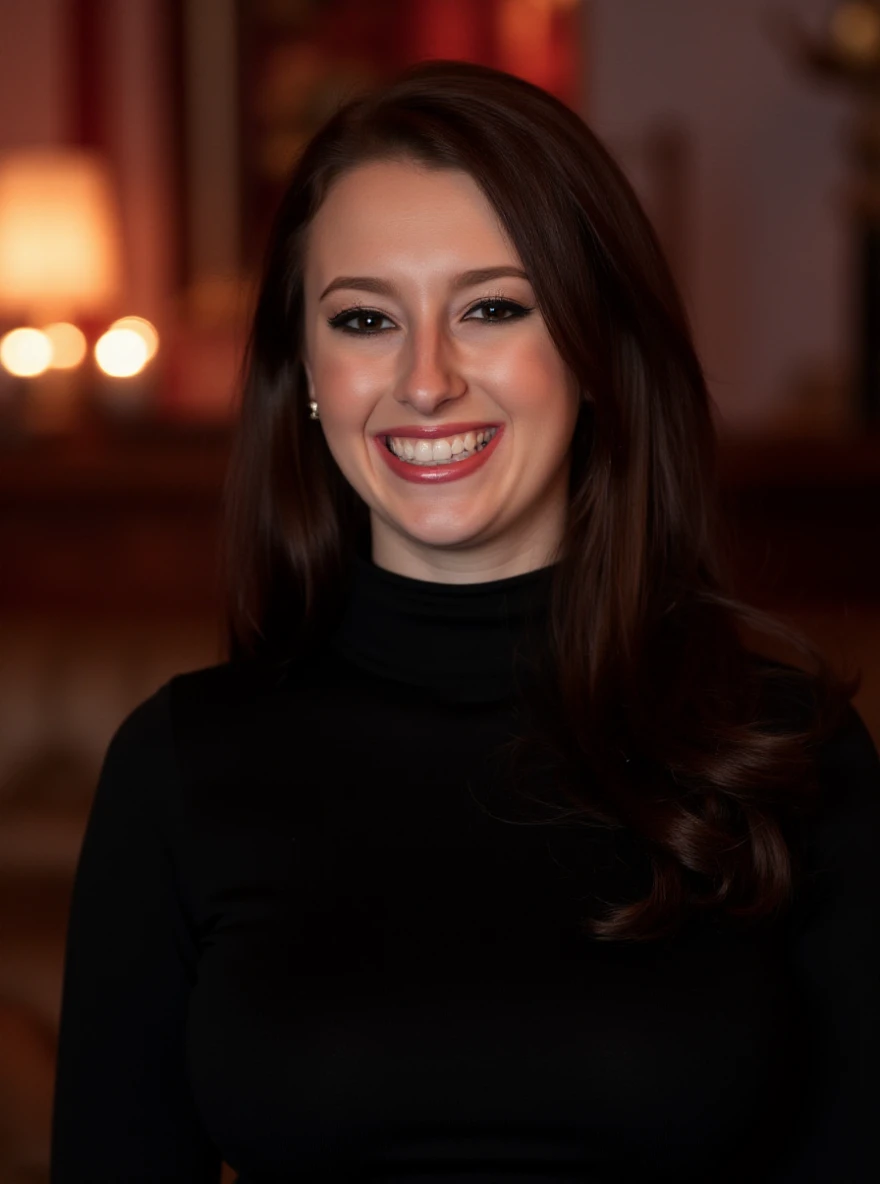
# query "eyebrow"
(467, 279)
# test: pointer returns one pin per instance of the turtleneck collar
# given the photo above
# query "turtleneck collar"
(460, 641)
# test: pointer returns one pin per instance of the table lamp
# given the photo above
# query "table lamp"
(60, 262)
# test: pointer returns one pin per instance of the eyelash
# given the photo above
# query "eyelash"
(516, 310)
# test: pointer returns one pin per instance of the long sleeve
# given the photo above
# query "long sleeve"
(836, 962)
(123, 1109)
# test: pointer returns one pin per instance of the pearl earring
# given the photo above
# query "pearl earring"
(313, 410)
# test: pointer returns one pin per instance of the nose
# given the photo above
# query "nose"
(429, 373)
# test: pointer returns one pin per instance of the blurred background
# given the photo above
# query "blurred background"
(143, 144)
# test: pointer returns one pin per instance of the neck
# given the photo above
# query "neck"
(466, 565)
(463, 642)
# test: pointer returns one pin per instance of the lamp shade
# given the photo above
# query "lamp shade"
(59, 233)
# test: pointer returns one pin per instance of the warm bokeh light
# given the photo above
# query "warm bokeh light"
(25, 352)
(144, 329)
(121, 353)
(68, 345)
(855, 27)
(59, 232)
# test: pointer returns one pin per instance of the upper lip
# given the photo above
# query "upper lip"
(438, 432)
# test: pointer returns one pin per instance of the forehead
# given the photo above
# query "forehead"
(398, 212)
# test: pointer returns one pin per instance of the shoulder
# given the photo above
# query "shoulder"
(211, 692)
(182, 712)
(228, 699)
(231, 722)
(231, 686)
(846, 815)
(849, 751)
(840, 836)
(787, 694)
(198, 730)
(144, 735)
(845, 833)
(138, 776)
(148, 730)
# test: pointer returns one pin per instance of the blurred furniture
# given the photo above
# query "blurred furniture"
(107, 589)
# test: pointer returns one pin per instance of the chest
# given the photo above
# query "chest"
(426, 991)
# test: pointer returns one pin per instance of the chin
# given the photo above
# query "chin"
(449, 540)
(443, 537)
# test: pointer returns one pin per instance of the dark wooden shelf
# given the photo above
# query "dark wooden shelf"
(119, 523)
(181, 464)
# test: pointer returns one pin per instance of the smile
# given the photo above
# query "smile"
(454, 449)
(436, 462)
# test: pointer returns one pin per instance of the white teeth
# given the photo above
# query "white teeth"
(432, 452)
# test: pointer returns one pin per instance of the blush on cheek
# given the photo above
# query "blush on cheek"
(351, 388)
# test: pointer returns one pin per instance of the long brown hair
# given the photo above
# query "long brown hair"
(655, 693)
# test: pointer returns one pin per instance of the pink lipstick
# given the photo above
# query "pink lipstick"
(444, 471)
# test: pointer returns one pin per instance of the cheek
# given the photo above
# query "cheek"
(345, 386)
(536, 382)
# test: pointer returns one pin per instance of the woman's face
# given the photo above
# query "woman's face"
(421, 325)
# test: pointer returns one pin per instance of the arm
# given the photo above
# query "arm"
(123, 1109)
(836, 961)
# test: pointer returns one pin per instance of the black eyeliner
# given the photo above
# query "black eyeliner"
(337, 321)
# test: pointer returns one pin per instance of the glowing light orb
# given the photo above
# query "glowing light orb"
(121, 353)
(144, 329)
(25, 352)
(68, 345)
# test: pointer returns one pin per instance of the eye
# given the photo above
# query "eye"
(496, 310)
(362, 322)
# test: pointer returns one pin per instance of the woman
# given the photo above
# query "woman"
(493, 851)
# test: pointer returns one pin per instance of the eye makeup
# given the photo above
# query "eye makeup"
(512, 309)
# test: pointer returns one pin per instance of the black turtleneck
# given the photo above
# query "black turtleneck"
(311, 936)
(461, 642)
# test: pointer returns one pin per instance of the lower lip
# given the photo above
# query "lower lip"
(437, 474)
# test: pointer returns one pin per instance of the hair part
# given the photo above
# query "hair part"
(670, 726)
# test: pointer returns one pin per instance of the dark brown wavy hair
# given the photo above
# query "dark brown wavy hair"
(655, 696)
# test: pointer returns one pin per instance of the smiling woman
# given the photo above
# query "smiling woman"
(491, 851)
(438, 345)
